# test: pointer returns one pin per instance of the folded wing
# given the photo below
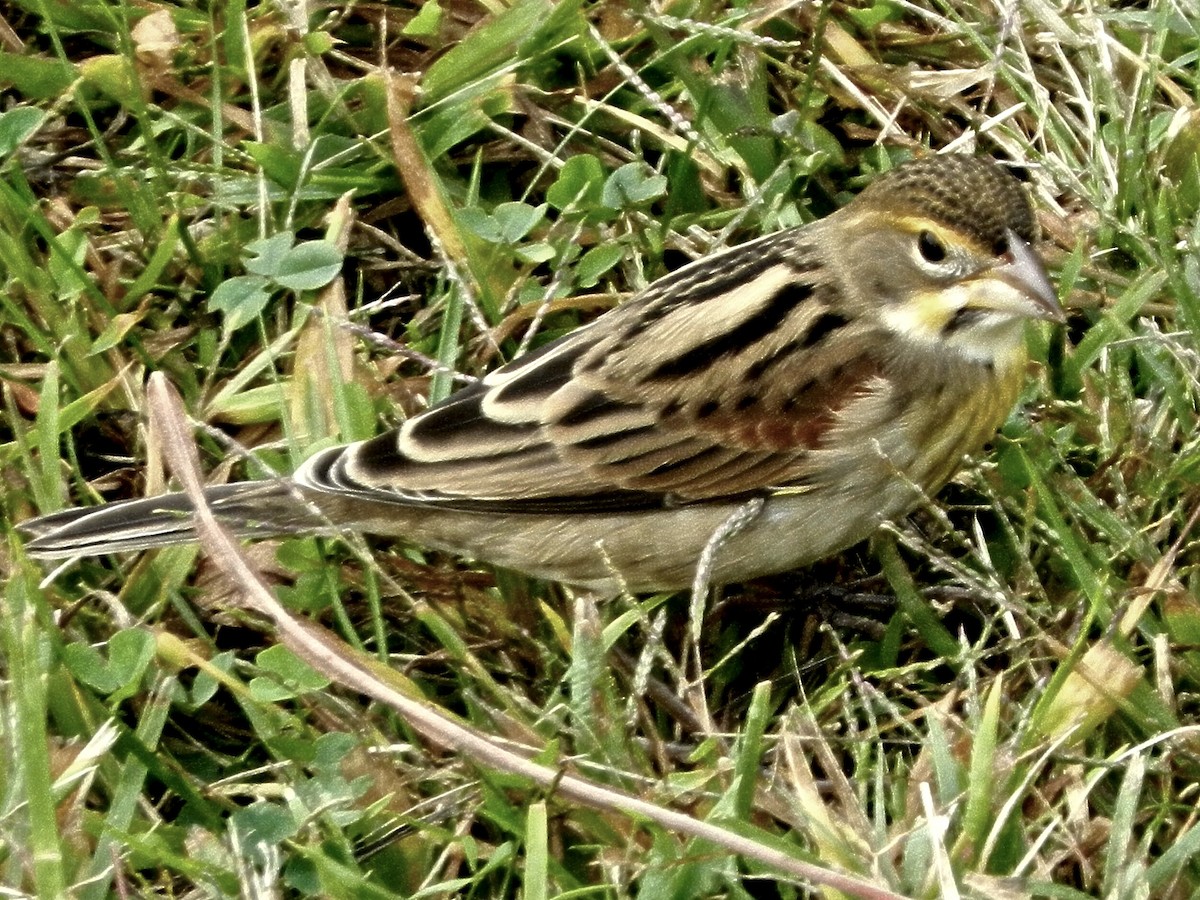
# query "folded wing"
(718, 381)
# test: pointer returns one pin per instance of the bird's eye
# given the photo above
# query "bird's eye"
(931, 247)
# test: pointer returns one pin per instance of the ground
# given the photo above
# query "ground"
(315, 221)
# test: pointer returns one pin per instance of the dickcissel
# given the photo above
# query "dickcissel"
(820, 379)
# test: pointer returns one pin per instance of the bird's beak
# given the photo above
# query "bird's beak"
(1023, 271)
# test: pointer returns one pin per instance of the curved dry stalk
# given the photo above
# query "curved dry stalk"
(360, 672)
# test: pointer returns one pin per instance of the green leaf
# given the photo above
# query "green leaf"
(318, 43)
(268, 254)
(330, 752)
(912, 604)
(631, 186)
(596, 262)
(205, 684)
(70, 18)
(536, 253)
(263, 823)
(579, 184)
(516, 220)
(1114, 325)
(497, 43)
(310, 265)
(537, 857)
(238, 53)
(449, 127)
(983, 789)
(1182, 852)
(291, 676)
(114, 76)
(749, 752)
(35, 77)
(129, 653)
(115, 331)
(280, 164)
(426, 22)
(147, 279)
(65, 267)
(479, 222)
(240, 299)
(16, 125)
(871, 17)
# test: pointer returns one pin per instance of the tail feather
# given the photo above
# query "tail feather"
(251, 509)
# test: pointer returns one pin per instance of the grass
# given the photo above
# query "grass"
(992, 699)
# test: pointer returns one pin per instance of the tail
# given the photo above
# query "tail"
(254, 509)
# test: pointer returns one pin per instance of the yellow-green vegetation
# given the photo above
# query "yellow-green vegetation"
(313, 221)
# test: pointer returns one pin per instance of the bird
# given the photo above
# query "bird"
(760, 408)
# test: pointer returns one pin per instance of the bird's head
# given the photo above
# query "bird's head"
(944, 247)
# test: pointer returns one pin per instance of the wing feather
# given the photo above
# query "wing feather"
(718, 380)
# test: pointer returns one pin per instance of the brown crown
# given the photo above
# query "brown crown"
(971, 196)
